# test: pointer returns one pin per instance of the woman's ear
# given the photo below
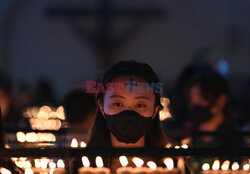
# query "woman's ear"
(100, 105)
(156, 110)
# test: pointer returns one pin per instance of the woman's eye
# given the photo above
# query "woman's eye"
(140, 105)
(116, 104)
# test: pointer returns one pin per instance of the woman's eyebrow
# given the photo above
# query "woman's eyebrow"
(114, 96)
(143, 97)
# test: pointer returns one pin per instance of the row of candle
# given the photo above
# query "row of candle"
(41, 166)
(124, 169)
(224, 168)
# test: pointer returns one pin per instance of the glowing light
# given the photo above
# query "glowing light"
(37, 163)
(44, 163)
(225, 165)
(52, 165)
(216, 165)
(235, 166)
(99, 161)
(246, 167)
(74, 143)
(169, 162)
(4, 171)
(83, 144)
(28, 171)
(85, 161)
(31, 137)
(138, 161)
(60, 164)
(151, 165)
(205, 166)
(20, 137)
(123, 161)
(177, 147)
(184, 146)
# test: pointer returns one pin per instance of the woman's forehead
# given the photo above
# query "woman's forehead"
(129, 78)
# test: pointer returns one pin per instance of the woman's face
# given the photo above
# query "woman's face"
(117, 101)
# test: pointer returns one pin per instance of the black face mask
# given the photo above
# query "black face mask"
(128, 126)
(201, 114)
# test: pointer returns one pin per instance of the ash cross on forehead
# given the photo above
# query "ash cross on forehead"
(103, 38)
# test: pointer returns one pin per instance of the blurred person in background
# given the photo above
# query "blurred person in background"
(80, 110)
(207, 98)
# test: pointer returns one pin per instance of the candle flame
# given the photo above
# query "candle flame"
(216, 165)
(60, 163)
(99, 161)
(28, 171)
(37, 163)
(225, 165)
(44, 163)
(4, 171)
(138, 161)
(52, 165)
(85, 161)
(83, 144)
(123, 161)
(20, 137)
(177, 147)
(169, 162)
(151, 165)
(74, 143)
(246, 167)
(205, 166)
(235, 166)
(184, 146)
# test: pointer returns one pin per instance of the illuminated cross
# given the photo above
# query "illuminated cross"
(102, 37)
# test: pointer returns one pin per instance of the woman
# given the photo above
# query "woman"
(128, 117)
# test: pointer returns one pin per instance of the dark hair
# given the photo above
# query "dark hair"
(100, 135)
(79, 106)
(212, 85)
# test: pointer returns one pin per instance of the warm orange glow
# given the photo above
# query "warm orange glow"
(169, 162)
(20, 137)
(137, 161)
(28, 171)
(83, 144)
(52, 165)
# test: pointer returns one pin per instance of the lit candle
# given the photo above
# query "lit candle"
(153, 168)
(139, 163)
(60, 167)
(83, 144)
(100, 166)
(225, 167)
(86, 169)
(216, 167)
(235, 167)
(74, 143)
(205, 169)
(4, 171)
(28, 171)
(169, 162)
(124, 169)
(246, 168)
